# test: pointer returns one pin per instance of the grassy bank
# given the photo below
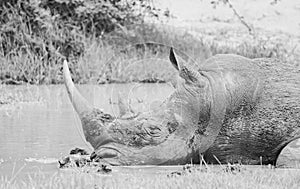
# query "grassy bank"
(248, 178)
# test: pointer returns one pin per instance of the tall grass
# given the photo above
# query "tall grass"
(117, 57)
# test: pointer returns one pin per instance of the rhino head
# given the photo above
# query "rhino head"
(182, 128)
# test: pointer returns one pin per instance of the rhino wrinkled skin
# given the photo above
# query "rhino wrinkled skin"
(229, 107)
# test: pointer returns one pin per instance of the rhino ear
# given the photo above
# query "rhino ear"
(173, 59)
(186, 72)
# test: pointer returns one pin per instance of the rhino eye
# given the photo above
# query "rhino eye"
(200, 85)
(189, 78)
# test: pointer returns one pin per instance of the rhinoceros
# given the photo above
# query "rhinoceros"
(229, 108)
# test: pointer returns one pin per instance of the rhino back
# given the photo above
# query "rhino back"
(274, 121)
(229, 62)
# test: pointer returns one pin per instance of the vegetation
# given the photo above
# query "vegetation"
(37, 35)
(102, 41)
(249, 178)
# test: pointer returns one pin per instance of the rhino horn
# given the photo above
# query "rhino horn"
(185, 71)
(80, 104)
(123, 108)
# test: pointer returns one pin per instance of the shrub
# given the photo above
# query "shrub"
(50, 27)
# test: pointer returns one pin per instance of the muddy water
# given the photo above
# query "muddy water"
(39, 125)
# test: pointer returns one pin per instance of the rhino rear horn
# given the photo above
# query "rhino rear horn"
(124, 108)
(80, 104)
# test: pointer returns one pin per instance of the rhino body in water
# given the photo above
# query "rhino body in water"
(227, 108)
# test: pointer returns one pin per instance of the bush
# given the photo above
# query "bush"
(48, 28)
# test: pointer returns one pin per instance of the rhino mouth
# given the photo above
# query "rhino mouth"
(114, 154)
(107, 152)
(115, 158)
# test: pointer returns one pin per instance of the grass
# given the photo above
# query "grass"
(116, 57)
(213, 178)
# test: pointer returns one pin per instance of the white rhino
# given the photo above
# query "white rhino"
(235, 108)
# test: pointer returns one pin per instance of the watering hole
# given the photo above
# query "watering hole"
(38, 124)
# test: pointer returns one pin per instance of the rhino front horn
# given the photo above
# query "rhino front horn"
(79, 102)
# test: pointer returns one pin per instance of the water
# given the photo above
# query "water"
(43, 127)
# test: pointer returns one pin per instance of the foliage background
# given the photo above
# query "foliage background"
(36, 35)
(48, 27)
